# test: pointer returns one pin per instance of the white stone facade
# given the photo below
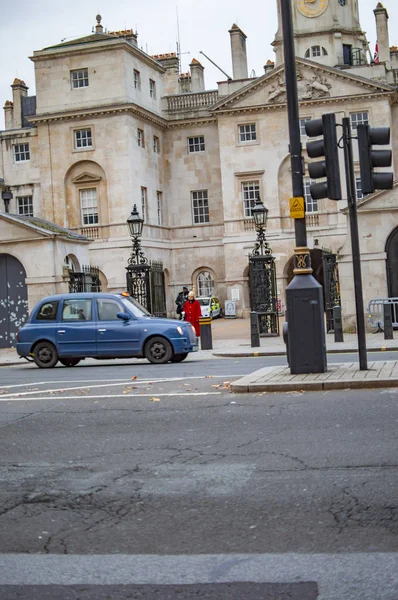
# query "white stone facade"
(187, 157)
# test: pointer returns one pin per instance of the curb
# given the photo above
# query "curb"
(314, 386)
(234, 354)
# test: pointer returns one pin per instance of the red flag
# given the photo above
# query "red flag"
(376, 54)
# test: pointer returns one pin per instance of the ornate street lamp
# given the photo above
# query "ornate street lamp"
(260, 217)
(135, 224)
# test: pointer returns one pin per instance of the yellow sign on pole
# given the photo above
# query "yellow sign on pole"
(297, 208)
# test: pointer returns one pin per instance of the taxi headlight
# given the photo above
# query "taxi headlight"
(180, 331)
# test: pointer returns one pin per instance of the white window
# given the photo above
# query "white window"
(316, 51)
(152, 89)
(302, 126)
(205, 283)
(79, 78)
(140, 138)
(200, 207)
(360, 118)
(159, 199)
(88, 206)
(25, 205)
(21, 152)
(196, 144)
(83, 138)
(311, 205)
(250, 191)
(358, 188)
(156, 144)
(137, 79)
(247, 133)
(144, 195)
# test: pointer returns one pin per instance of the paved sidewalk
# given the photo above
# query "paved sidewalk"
(231, 338)
(339, 376)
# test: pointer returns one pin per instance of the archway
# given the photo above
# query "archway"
(392, 264)
(13, 299)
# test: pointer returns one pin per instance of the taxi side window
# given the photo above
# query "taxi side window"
(48, 311)
(108, 309)
(77, 310)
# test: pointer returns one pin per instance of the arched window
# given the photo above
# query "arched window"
(315, 51)
(324, 51)
(205, 284)
(307, 53)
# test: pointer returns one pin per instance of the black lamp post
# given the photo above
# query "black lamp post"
(135, 224)
(7, 196)
(260, 217)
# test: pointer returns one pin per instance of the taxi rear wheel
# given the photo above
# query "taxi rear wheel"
(45, 355)
(69, 362)
(158, 350)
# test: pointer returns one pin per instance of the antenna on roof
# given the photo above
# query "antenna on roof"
(213, 63)
(178, 43)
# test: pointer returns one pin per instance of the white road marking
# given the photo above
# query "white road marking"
(3, 387)
(96, 397)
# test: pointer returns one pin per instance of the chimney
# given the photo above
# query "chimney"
(19, 90)
(383, 43)
(9, 115)
(171, 64)
(238, 51)
(197, 76)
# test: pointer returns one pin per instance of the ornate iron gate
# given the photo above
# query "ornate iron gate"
(145, 283)
(86, 280)
(263, 293)
(331, 284)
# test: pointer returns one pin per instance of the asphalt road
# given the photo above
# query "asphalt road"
(142, 477)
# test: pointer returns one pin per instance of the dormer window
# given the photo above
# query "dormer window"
(315, 52)
(79, 78)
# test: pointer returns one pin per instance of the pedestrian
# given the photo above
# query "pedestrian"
(193, 312)
(180, 301)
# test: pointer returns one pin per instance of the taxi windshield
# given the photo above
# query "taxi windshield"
(204, 301)
(135, 307)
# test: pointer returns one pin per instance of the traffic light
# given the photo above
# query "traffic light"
(369, 158)
(329, 167)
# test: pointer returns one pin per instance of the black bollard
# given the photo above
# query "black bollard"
(254, 330)
(387, 315)
(206, 341)
(338, 324)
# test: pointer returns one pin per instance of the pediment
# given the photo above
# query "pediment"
(13, 231)
(86, 178)
(314, 83)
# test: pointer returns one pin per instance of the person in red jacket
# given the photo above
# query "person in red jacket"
(192, 312)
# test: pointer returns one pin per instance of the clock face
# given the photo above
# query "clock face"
(313, 8)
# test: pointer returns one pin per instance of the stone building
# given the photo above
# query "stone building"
(111, 126)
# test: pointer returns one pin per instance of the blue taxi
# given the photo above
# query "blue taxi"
(70, 327)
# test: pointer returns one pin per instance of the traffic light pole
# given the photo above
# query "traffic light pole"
(356, 256)
(306, 345)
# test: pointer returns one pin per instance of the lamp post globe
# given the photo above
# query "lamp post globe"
(260, 214)
(135, 223)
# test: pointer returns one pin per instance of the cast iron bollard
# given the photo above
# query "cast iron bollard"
(338, 324)
(388, 330)
(206, 341)
(254, 330)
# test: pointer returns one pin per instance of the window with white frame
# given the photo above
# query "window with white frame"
(137, 79)
(79, 78)
(159, 201)
(315, 51)
(144, 196)
(83, 138)
(196, 144)
(21, 152)
(140, 138)
(311, 205)
(156, 144)
(152, 88)
(359, 118)
(25, 205)
(358, 188)
(247, 132)
(250, 191)
(89, 206)
(200, 207)
(205, 284)
(302, 126)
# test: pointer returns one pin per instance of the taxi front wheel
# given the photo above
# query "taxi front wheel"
(158, 350)
(45, 355)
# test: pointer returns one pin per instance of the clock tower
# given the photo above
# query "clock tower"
(325, 31)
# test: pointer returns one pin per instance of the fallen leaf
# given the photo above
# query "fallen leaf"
(135, 377)
(210, 377)
(155, 399)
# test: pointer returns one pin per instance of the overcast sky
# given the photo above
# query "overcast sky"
(26, 26)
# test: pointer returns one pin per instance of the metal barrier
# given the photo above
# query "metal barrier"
(376, 312)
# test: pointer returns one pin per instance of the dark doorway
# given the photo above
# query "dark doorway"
(392, 264)
(13, 299)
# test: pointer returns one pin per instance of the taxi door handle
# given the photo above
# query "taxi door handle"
(61, 330)
(101, 330)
